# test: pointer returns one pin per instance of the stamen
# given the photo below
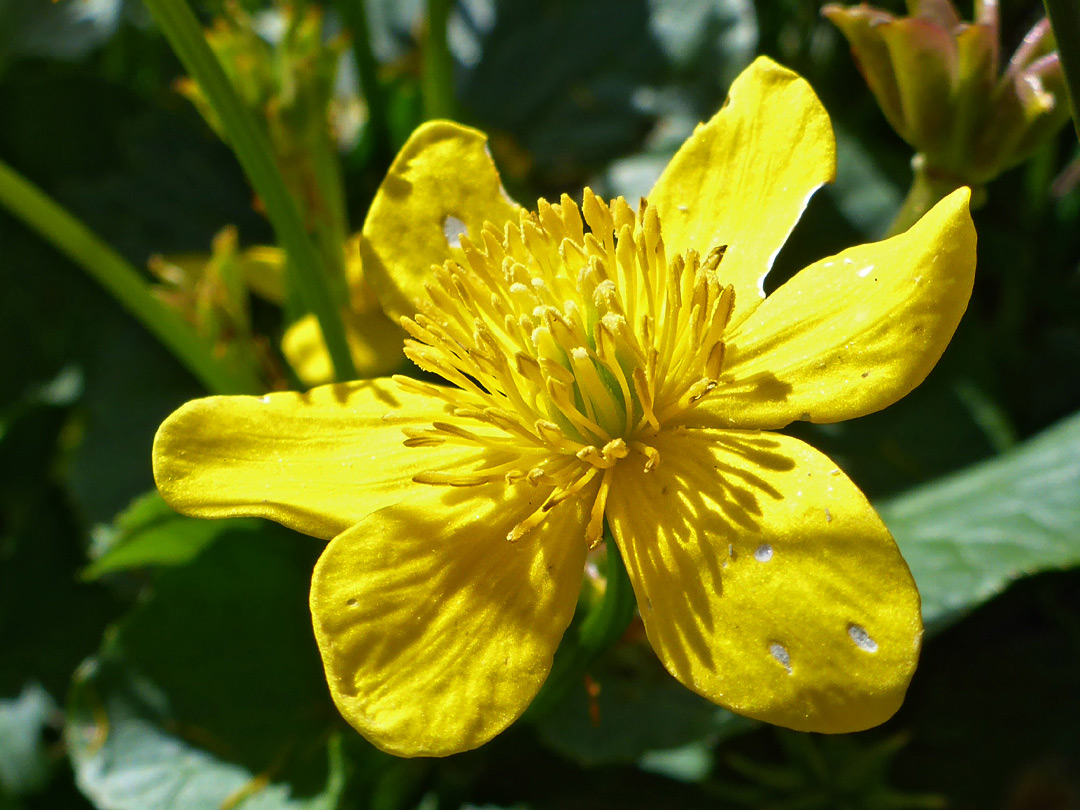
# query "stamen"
(652, 455)
(568, 337)
(594, 531)
(553, 500)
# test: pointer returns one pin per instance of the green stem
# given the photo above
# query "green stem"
(1064, 16)
(438, 77)
(928, 187)
(248, 140)
(72, 238)
(354, 13)
(603, 625)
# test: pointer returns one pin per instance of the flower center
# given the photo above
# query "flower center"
(570, 339)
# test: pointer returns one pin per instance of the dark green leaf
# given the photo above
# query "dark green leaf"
(211, 693)
(967, 536)
(25, 761)
(639, 708)
(574, 84)
(150, 533)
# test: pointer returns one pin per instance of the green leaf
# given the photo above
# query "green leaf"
(574, 84)
(210, 693)
(639, 709)
(967, 536)
(55, 30)
(150, 533)
(25, 762)
(49, 621)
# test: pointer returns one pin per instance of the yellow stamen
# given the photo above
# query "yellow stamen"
(571, 337)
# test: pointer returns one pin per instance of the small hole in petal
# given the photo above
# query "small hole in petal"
(763, 553)
(351, 603)
(453, 228)
(780, 653)
(861, 638)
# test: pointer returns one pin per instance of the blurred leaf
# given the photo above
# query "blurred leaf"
(49, 621)
(150, 533)
(969, 535)
(393, 24)
(721, 33)
(564, 87)
(639, 709)
(690, 763)
(25, 762)
(66, 30)
(865, 195)
(211, 693)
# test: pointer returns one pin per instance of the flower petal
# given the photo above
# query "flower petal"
(375, 343)
(317, 462)
(850, 334)
(766, 581)
(436, 631)
(744, 178)
(443, 183)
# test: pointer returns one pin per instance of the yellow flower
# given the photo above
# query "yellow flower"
(604, 365)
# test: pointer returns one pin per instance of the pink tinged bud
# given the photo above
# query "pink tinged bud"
(926, 61)
(939, 12)
(936, 79)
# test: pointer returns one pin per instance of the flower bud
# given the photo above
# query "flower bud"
(939, 83)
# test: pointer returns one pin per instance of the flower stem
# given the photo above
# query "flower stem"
(1064, 16)
(177, 21)
(603, 625)
(438, 78)
(126, 284)
(928, 187)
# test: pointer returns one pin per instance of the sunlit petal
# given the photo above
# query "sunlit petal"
(442, 184)
(850, 334)
(317, 462)
(436, 631)
(744, 178)
(765, 580)
(375, 343)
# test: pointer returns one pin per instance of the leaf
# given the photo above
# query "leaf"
(25, 762)
(58, 30)
(721, 33)
(49, 621)
(565, 86)
(210, 693)
(967, 536)
(150, 533)
(639, 709)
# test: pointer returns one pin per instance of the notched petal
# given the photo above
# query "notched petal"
(744, 178)
(441, 185)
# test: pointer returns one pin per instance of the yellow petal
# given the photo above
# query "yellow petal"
(317, 462)
(436, 632)
(850, 334)
(744, 178)
(766, 581)
(375, 343)
(443, 183)
(264, 271)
